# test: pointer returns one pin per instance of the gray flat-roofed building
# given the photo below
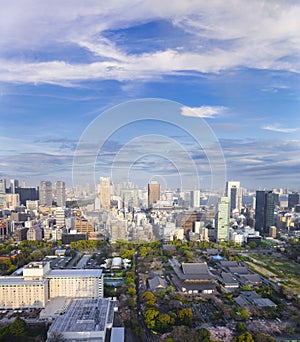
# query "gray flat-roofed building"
(117, 335)
(85, 320)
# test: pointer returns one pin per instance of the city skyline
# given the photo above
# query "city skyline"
(234, 67)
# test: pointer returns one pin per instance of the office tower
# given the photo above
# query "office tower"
(2, 186)
(293, 200)
(60, 194)
(234, 192)
(104, 192)
(60, 217)
(13, 185)
(222, 219)
(12, 200)
(45, 194)
(153, 193)
(195, 199)
(264, 211)
(27, 194)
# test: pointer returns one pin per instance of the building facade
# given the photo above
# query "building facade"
(222, 219)
(264, 211)
(153, 193)
(234, 193)
(104, 192)
(45, 194)
(60, 194)
(40, 284)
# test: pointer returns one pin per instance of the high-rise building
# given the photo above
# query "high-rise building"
(293, 200)
(222, 219)
(234, 192)
(195, 199)
(27, 194)
(153, 193)
(60, 217)
(12, 200)
(45, 193)
(2, 186)
(60, 194)
(14, 183)
(104, 192)
(264, 211)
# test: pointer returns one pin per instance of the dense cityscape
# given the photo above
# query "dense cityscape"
(148, 264)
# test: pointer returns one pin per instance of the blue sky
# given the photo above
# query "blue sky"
(235, 64)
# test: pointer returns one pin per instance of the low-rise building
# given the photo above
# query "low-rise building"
(85, 320)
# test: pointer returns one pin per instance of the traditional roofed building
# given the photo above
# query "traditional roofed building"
(195, 278)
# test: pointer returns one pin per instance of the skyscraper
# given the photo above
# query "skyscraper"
(222, 219)
(104, 192)
(195, 198)
(293, 200)
(264, 211)
(45, 194)
(153, 193)
(234, 192)
(2, 186)
(60, 194)
(14, 183)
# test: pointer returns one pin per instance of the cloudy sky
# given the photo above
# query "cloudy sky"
(231, 65)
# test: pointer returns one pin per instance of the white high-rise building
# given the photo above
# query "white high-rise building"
(222, 219)
(234, 192)
(195, 199)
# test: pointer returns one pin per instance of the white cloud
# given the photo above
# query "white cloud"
(274, 128)
(256, 34)
(203, 111)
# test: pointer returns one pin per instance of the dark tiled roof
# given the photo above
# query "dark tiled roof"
(195, 268)
(226, 263)
(239, 270)
(156, 283)
(228, 278)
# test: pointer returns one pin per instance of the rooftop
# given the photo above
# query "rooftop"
(74, 273)
(85, 315)
(195, 268)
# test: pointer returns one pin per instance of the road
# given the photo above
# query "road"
(147, 333)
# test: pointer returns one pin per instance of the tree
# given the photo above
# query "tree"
(185, 316)
(240, 327)
(149, 298)
(17, 327)
(244, 337)
(204, 335)
(150, 317)
(253, 245)
(164, 322)
(261, 337)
